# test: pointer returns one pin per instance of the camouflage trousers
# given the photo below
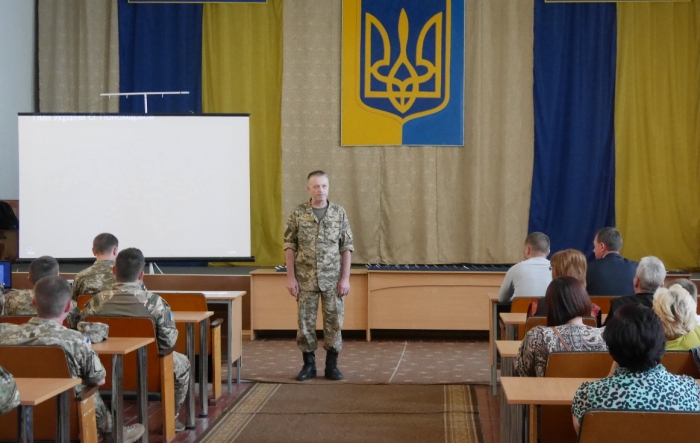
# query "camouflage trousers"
(181, 366)
(333, 310)
(102, 414)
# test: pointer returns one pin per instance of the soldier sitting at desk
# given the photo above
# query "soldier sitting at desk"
(99, 276)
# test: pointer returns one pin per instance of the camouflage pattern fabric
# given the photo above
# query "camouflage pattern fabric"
(318, 246)
(95, 331)
(83, 362)
(2, 304)
(9, 396)
(94, 279)
(333, 314)
(19, 302)
(166, 332)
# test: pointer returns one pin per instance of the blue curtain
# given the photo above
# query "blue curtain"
(160, 49)
(573, 183)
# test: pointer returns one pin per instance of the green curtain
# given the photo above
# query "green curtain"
(242, 73)
(657, 128)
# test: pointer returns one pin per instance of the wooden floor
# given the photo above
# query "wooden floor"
(489, 413)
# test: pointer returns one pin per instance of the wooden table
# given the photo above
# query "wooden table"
(34, 391)
(494, 304)
(118, 347)
(511, 418)
(234, 311)
(190, 318)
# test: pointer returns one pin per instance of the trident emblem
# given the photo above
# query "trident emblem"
(403, 82)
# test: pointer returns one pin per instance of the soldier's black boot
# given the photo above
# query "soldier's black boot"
(309, 369)
(332, 371)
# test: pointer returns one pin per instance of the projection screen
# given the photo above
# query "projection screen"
(174, 186)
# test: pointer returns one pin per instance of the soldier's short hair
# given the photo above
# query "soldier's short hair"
(51, 294)
(610, 237)
(42, 267)
(129, 264)
(104, 243)
(317, 173)
(538, 241)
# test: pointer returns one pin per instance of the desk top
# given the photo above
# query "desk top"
(33, 391)
(508, 348)
(513, 318)
(121, 345)
(210, 295)
(493, 297)
(541, 390)
(191, 316)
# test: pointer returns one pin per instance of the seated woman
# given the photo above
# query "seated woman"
(569, 262)
(676, 309)
(635, 339)
(567, 302)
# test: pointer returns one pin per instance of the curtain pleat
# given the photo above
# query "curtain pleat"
(78, 59)
(573, 184)
(242, 73)
(657, 131)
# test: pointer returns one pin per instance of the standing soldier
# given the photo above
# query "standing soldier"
(99, 276)
(318, 247)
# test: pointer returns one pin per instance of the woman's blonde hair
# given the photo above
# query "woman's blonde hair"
(569, 263)
(676, 309)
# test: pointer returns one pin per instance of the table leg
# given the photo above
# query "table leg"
(190, 389)
(533, 424)
(25, 424)
(229, 358)
(511, 332)
(239, 363)
(63, 422)
(117, 398)
(203, 376)
(494, 355)
(142, 390)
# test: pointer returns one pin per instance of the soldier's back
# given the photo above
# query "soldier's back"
(19, 302)
(95, 279)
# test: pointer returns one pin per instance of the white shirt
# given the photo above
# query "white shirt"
(528, 278)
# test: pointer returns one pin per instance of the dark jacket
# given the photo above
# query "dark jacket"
(644, 298)
(611, 275)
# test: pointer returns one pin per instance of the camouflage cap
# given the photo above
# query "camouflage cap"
(95, 331)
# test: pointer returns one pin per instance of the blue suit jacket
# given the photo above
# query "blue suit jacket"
(611, 275)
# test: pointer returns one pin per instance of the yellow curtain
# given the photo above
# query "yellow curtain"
(242, 73)
(657, 128)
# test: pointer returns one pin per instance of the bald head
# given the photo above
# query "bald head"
(51, 296)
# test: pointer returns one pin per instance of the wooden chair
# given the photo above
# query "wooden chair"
(160, 376)
(603, 301)
(197, 302)
(48, 362)
(531, 322)
(611, 426)
(680, 363)
(83, 300)
(22, 319)
(556, 422)
(520, 304)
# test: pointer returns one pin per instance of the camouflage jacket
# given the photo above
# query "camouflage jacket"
(318, 245)
(9, 396)
(83, 362)
(159, 309)
(19, 302)
(94, 279)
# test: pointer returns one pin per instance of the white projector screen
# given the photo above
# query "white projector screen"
(176, 187)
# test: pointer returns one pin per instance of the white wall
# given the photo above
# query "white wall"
(16, 85)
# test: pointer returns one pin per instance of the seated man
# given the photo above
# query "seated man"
(126, 298)
(52, 298)
(530, 277)
(9, 397)
(648, 278)
(20, 301)
(610, 273)
(99, 276)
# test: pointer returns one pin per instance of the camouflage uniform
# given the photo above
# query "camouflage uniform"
(159, 310)
(318, 246)
(94, 279)
(19, 302)
(83, 362)
(9, 396)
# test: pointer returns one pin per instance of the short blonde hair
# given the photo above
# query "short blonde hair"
(569, 263)
(676, 309)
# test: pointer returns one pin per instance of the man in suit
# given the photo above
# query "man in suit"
(610, 273)
(649, 277)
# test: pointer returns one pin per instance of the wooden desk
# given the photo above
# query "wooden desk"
(234, 331)
(494, 304)
(508, 348)
(34, 391)
(190, 318)
(511, 418)
(512, 320)
(118, 347)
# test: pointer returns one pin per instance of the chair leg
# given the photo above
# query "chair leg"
(216, 362)
(87, 420)
(167, 390)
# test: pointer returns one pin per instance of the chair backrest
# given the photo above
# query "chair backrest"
(38, 362)
(131, 327)
(22, 319)
(559, 427)
(603, 426)
(191, 301)
(680, 363)
(520, 304)
(83, 300)
(603, 301)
